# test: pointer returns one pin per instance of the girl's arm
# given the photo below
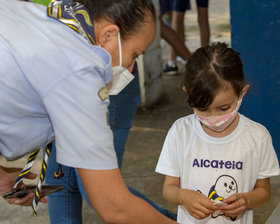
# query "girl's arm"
(197, 204)
(240, 202)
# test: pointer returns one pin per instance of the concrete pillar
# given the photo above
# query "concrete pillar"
(150, 69)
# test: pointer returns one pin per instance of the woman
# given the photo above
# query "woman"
(56, 80)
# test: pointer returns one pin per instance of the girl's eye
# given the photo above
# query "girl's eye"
(202, 109)
(224, 108)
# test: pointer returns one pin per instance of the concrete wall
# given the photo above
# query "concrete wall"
(255, 27)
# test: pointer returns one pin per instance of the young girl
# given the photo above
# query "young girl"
(217, 162)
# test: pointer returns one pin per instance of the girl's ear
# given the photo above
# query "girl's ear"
(107, 33)
(244, 90)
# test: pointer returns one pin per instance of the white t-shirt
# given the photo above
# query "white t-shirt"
(52, 83)
(217, 167)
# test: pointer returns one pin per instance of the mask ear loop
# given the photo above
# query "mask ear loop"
(120, 48)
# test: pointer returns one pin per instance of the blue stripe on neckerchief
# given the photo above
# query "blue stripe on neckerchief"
(74, 15)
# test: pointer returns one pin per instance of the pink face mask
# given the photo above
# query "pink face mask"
(219, 123)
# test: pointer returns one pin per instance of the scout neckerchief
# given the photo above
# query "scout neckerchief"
(75, 15)
(26, 170)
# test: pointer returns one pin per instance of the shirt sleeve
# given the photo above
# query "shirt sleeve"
(168, 163)
(269, 165)
(78, 113)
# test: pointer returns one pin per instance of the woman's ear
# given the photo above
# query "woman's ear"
(244, 90)
(184, 88)
(107, 33)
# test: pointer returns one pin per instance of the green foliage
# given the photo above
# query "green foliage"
(43, 2)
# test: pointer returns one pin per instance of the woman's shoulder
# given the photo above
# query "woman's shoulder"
(80, 53)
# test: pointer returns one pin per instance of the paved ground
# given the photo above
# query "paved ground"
(147, 135)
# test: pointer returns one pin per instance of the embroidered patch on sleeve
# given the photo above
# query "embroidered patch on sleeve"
(103, 93)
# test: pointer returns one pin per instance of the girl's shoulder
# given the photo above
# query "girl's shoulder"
(254, 127)
(186, 123)
(186, 120)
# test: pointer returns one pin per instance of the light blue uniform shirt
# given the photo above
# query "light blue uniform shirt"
(50, 82)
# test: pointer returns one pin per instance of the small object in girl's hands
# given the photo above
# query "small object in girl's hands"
(219, 203)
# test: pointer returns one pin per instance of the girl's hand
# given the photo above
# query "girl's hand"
(237, 205)
(197, 204)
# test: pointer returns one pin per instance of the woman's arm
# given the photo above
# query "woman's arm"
(197, 204)
(114, 203)
(240, 202)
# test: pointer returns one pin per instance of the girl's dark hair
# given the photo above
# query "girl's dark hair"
(207, 70)
(128, 15)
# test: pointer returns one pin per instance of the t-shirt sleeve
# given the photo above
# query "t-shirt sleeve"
(168, 163)
(269, 165)
(78, 112)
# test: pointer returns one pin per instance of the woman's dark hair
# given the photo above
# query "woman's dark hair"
(128, 15)
(207, 70)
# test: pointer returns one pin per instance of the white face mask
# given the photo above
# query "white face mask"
(220, 123)
(121, 76)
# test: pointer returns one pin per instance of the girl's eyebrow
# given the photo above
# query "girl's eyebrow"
(226, 104)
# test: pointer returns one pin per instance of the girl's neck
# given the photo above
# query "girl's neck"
(223, 133)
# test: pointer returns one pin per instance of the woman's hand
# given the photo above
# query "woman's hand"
(197, 204)
(8, 177)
